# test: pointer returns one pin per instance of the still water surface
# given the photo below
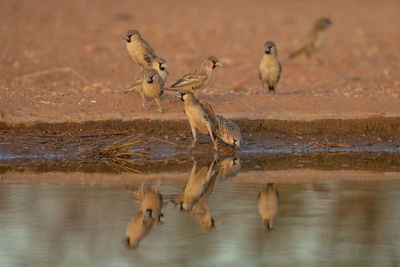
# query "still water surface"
(332, 223)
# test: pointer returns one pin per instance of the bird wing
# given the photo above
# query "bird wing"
(193, 80)
(210, 114)
(280, 71)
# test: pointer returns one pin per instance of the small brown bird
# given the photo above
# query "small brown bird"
(314, 39)
(151, 202)
(229, 132)
(228, 168)
(160, 65)
(140, 50)
(198, 188)
(198, 78)
(268, 205)
(270, 68)
(152, 85)
(201, 116)
(137, 228)
(199, 185)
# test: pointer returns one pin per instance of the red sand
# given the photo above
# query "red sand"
(356, 73)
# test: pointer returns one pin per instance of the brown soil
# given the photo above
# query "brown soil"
(78, 46)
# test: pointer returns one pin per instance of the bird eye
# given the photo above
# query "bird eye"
(161, 67)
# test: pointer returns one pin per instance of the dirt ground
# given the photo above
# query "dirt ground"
(66, 60)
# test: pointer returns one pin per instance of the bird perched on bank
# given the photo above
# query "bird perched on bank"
(151, 202)
(268, 205)
(270, 69)
(198, 78)
(229, 132)
(152, 85)
(140, 51)
(201, 116)
(314, 39)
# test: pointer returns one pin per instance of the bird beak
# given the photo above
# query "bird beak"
(149, 80)
(238, 145)
(126, 37)
(219, 64)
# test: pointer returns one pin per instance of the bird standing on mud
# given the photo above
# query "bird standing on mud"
(140, 51)
(201, 116)
(270, 69)
(268, 205)
(314, 40)
(198, 78)
(229, 132)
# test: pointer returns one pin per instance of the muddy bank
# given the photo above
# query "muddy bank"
(371, 162)
(382, 127)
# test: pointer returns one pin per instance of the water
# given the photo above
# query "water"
(351, 220)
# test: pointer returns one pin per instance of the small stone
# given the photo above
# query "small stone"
(112, 67)
(379, 140)
(89, 48)
(105, 91)
(87, 89)
(97, 85)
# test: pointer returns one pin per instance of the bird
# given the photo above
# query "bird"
(270, 68)
(152, 85)
(151, 202)
(199, 185)
(314, 39)
(201, 116)
(198, 188)
(139, 49)
(229, 132)
(198, 78)
(137, 228)
(160, 65)
(268, 205)
(228, 168)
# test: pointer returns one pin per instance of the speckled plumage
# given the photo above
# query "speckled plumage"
(229, 132)
(198, 78)
(270, 68)
(314, 39)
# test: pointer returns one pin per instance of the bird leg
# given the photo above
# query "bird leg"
(143, 100)
(159, 106)
(271, 88)
(194, 132)
(212, 136)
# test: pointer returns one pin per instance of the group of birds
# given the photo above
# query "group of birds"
(199, 112)
(193, 200)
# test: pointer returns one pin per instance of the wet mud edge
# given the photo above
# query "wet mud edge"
(383, 127)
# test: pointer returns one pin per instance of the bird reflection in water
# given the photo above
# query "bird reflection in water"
(268, 206)
(195, 193)
(199, 186)
(151, 212)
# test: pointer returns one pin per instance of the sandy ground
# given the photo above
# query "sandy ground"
(78, 46)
